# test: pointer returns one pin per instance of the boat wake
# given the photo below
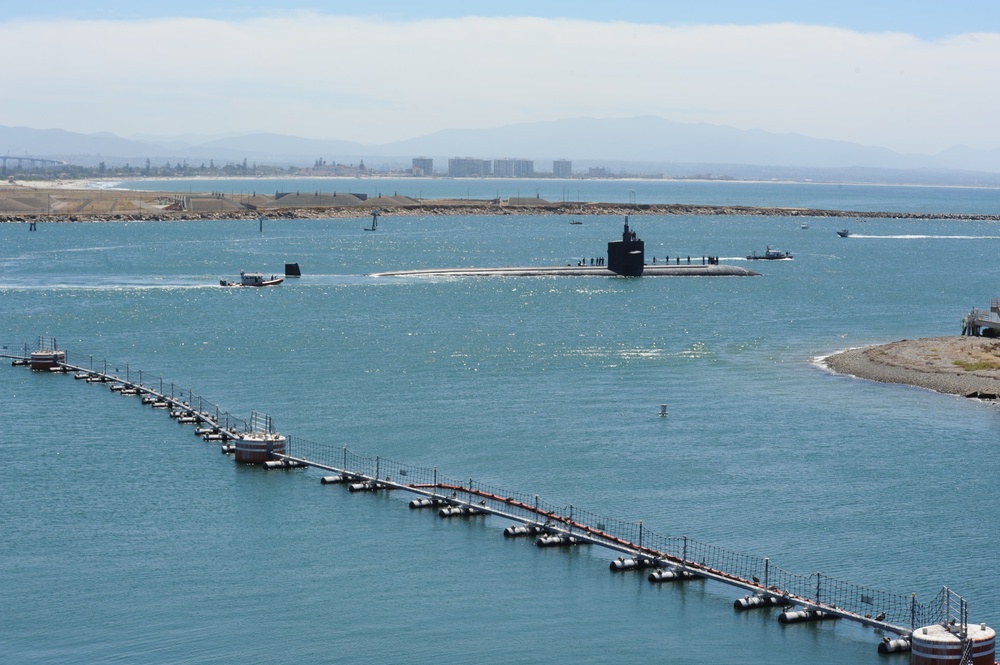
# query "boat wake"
(922, 237)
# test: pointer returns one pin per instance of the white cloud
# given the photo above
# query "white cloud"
(373, 81)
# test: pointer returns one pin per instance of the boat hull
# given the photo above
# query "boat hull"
(248, 280)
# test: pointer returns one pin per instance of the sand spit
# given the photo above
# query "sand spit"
(966, 366)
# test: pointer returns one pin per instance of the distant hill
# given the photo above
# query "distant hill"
(652, 139)
(645, 145)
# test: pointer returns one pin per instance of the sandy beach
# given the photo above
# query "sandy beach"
(967, 366)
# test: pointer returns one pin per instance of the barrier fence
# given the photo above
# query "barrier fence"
(894, 610)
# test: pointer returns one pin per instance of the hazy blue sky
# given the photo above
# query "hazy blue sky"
(914, 76)
(922, 18)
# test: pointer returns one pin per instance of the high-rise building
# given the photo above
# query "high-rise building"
(513, 168)
(468, 167)
(562, 168)
(423, 166)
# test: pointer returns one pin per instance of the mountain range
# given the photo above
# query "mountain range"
(640, 145)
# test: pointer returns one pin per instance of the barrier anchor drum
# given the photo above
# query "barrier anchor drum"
(942, 643)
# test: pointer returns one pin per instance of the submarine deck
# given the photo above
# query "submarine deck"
(576, 271)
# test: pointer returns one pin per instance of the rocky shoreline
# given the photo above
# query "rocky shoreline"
(965, 366)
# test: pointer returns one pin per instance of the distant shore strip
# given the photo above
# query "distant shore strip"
(422, 208)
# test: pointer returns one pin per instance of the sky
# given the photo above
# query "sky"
(916, 77)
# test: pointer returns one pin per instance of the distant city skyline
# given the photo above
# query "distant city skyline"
(914, 77)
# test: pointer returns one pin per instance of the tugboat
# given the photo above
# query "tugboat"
(770, 255)
(253, 279)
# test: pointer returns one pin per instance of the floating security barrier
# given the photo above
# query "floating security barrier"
(520, 530)
(671, 575)
(759, 602)
(898, 645)
(632, 563)
(284, 464)
(429, 502)
(331, 480)
(801, 616)
(367, 486)
(460, 511)
(559, 541)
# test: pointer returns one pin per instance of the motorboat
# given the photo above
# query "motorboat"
(770, 255)
(253, 279)
(843, 233)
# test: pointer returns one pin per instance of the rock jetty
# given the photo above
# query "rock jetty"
(62, 205)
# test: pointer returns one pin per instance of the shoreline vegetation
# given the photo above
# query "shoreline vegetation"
(74, 202)
(959, 365)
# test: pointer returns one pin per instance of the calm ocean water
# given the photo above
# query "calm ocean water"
(127, 539)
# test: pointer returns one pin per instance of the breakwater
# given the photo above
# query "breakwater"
(474, 208)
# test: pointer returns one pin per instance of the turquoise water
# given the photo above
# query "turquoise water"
(128, 539)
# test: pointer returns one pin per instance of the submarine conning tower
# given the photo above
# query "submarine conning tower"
(627, 256)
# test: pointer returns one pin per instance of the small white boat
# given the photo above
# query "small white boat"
(253, 279)
(804, 225)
